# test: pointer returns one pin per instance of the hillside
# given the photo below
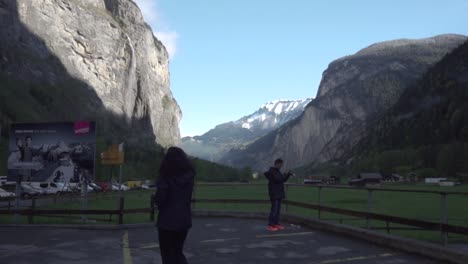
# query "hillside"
(430, 120)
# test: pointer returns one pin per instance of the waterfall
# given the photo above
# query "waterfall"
(129, 93)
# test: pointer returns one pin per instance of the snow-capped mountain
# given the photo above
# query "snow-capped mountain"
(273, 114)
(215, 143)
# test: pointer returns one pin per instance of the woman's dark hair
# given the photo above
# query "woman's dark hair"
(278, 161)
(174, 162)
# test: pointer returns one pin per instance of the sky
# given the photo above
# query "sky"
(227, 58)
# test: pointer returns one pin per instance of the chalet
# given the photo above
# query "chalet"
(364, 179)
(313, 181)
(434, 180)
(316, 180)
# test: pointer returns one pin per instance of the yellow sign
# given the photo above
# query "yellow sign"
(113, 156)
(134, 184)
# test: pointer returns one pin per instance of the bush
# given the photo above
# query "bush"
(403, 170)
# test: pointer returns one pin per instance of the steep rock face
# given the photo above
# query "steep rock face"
(215, 143)
(105, 44)
(353, 90)
(432, 112)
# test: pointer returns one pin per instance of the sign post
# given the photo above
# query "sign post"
(121, 146)
(114, 155)
(84, 194)
(17, 198)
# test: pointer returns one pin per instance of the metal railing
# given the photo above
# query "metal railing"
(32, 211)
(368, 215)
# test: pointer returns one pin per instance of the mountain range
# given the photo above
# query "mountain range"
(213, 144)
(99, 60)
(354, 90)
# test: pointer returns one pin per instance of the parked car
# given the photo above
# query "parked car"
(9, 187)
(89, 188)
(95, 187)
(314, 182)
(5, 194)
(105, 186)
(73, 187)
(65, 188)
(144, 187)
(27, 190)
(37, 188)
(115, 187)
(47, 188)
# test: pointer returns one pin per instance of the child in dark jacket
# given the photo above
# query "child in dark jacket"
(276, 181)
(173, 199)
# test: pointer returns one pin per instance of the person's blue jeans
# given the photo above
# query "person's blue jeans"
(275, 212)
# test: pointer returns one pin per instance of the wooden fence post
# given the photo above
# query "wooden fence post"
(194, 198)
(121, 208)
(443, 206)
(369, 207)
(319, 200)
(33, 206)
(152, 208)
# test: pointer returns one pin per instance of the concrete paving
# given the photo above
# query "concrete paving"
(211, 240)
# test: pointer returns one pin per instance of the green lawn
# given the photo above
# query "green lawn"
(411, 205)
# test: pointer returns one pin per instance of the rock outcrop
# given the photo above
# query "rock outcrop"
(106, 48)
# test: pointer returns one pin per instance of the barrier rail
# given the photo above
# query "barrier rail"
(370, 199)
(443, 226)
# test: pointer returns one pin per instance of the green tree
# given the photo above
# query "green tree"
(428, 173)
(446, 160)
(246, 174)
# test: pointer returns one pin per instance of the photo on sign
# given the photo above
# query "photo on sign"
(52, 152)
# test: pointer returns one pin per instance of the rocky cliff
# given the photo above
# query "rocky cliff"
(353, 90)
(94, 59)
(432, 112)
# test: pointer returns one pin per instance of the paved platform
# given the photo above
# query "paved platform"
(211, 240)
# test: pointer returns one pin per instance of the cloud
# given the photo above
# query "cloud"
(169, 39)
(149, 8)
(153, 17)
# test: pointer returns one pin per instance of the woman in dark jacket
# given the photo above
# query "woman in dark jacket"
(173, 199)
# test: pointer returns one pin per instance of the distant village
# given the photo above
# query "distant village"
(368, 179)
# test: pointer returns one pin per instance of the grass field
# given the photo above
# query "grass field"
(410, 205)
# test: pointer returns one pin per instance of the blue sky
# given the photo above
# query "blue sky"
(230, 57)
